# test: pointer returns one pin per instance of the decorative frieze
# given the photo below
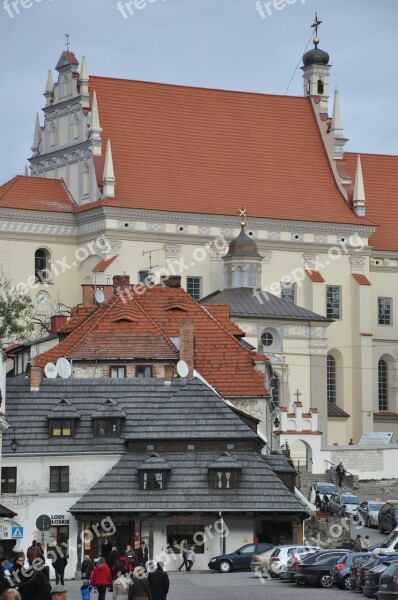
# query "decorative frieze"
(172, 250)
(311, 261)
(358, 264)
(318, 347)
(157, 227)
(300, 331)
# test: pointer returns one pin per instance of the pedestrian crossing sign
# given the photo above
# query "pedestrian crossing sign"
(17, 533)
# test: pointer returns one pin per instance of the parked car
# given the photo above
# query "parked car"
(372, 580)
(344, 504)
(318, 572)
(240, 559)
(341, 570)
(260, 561)
(281, 555)
(325, 488)
(368, 512)
(366, 566)
(389, 545)
(388, 516)
(292, 564)
(388, 589)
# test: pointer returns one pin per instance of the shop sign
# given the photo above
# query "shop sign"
(58, 520)
(185, 520)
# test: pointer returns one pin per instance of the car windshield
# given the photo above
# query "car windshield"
(350, 500)
(325, 488)
(375, 505)
(396, 512)
(389, 540)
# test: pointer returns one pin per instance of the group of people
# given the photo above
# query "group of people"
(361, 545)
(322, 504)
(188, 556)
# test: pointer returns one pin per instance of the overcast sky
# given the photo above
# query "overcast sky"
(208, 43)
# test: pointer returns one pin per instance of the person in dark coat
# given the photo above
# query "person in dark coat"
(34, 551)
(59, 563)
(106, 549)
(4, 583)
(140, 589)
(143, 552)
(85, 566)
(34, 585)
(159, 583)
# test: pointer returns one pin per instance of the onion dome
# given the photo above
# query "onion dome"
(243, 246)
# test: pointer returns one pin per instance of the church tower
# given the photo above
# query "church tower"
(242, 263)
(316, 71)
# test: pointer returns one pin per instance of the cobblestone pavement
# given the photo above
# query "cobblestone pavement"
(231, 586)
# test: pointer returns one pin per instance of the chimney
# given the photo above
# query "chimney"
(36, 374)
(88, 293)
(187, 345)
(171, 281)
(57, 321)
(121, 281)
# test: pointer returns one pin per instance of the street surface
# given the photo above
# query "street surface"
(231, 586)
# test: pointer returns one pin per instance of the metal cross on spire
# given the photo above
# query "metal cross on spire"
(316, 24)
(67, 42)
(297, 394)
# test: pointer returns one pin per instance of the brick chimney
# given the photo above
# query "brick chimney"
(187, 345)
(121, 281)
(36, 374)
(171, 281)
(57, 321)
(88, 293)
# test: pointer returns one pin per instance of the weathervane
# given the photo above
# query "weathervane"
(67, 41)
(315, 27)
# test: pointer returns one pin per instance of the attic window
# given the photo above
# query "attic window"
(107, 427)
(143, 371)
(223, 479)
(61, 427)
(153, 480)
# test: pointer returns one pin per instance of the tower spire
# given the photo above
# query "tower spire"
(84, 81)
(108, 180)
(359, 198)
(49, 91)
(36, 137)
(339, 140)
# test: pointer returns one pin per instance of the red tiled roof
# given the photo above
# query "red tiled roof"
(36, 193)
(380, 177)
(142, 327)
(315, 276)
(361, 279)
(221, 313)
(103, 265)
(211, 148)
(72, 58)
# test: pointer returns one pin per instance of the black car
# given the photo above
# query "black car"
(388, 517)
(372, 580)
(240, 559)
(366, 566)
(388, 589)
(341, 570)
(293, 563)
(314, 571)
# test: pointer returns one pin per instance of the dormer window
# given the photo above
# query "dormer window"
(224, 473)
(61, 427)
(153, 480)
(107, 427)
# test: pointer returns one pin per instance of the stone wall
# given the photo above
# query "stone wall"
(327, 532)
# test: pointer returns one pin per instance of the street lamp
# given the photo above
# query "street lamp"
(14, 443)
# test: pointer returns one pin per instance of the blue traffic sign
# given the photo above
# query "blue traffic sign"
(17, 533)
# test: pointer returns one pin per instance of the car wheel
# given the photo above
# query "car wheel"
(225, 566)
(325, 580)
(345, 584)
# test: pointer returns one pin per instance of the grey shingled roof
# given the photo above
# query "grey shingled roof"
(63, 410)
(154, 463)
(336, 411)
(243, 303)
(225, 461)
(279, 463)
(186, 409)
(259, 489)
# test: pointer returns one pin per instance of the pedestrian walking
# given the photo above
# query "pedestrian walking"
(59, 562)
(130, 555)
(34, 551)
(191, 557)
(121, 586)
(101, 577)
(85, 567)
(106, 548)
(332, 474)
(318, 500)
(139, 590)
(183, 553)
(357, 546)
(159, 583)
(143, 553)
(340, 471)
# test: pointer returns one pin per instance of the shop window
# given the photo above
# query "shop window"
(153, 480)
(9, 480)
(223, 480)
(59, 479)
(189, 535)
(143, 371)
(107, 427)
(61, 427)
(118, 372)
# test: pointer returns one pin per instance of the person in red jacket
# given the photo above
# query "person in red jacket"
(101, 577)
(121, 566)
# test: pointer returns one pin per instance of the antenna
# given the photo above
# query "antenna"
(64, 368)
(99, 297)
(50, 371)
(182, 368)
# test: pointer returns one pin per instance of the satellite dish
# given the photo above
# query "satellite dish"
(50, 371)
(99, 297)
(64, 368)
(182, 368)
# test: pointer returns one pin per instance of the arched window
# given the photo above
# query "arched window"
(86, 179)
(331, 378)
(42, 265)
(239, 277)
(320, 86)
(383, 384)
(65, 87)
(75, 128)
(51, 135)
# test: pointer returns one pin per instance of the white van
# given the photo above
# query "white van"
(388, 546)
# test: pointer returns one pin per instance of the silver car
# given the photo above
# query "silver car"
(344, 504)
(368, 511)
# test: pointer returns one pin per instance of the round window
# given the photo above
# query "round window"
(267, 338)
